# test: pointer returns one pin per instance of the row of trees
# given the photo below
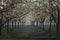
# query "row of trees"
(10, 9)
(7, 11)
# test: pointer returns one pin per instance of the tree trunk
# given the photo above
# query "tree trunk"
(1, 23)
(7, 25)
(12, 25)
(57, 27)
(50, 25)
(15, 25)
(37, 24)
(43, 26)
(0, 26)
(0, 29)
(18, 25)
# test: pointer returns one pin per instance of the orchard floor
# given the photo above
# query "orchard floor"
(27, 33)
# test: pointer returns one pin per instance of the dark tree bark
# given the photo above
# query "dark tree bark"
(15, 24)
(43, 26)
(18, 25)
(0, 28)
(1, 23)
(58, 10)
(50, 24)
(7, 25)
(43, 23)
(36, 23)
(12, 25)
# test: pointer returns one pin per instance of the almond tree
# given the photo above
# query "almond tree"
(54, 13)
(6, 8)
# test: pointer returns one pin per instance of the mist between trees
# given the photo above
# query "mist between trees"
(30, 12)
